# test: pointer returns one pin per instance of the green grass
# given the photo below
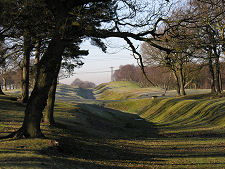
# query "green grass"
(120, 90)
(190, 114)
(166, 132)
(193, 127)
(84, 133)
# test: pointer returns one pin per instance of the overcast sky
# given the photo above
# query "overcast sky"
(97, 64)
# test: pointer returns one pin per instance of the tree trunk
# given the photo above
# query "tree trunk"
(49, 113)
(1, 92)
(188, 83)
(36, 59)
(211, 71)
(46, 73)
(181, 81)
(221, 83)
(217, 69)
(37, 52)
(27, 47)
(177, 82)
(195, 85)
(4, 83)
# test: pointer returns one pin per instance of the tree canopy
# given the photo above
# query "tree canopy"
(62, 25)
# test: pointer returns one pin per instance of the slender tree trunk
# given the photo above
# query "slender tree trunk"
(37, 51)
(195, 85)
(46, 73)
(177, 82)
(181, 81)
(26, 67)
(221, 83)
(217, 69)
(188, 84)
(49, 113)
(36, 59)
(1, 92)
(4, 83)
(211, 71)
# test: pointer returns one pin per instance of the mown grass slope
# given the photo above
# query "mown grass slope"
(195, 122)
(166, 132)
(179, 115)
(188, 114)
(122, 90)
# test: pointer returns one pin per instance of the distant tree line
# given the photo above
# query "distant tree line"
(82, 84)
(10, 80)
(11, 77)
(196, 76)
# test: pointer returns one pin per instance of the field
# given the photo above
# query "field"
(118, 125)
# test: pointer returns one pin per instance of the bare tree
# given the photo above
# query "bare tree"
(210, 35)
(68, 27)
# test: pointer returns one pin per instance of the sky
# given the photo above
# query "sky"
(97, 65)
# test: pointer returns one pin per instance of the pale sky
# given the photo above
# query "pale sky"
(97, 64)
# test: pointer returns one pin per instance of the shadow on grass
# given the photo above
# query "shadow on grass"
(85, 93)
(58, 162)
(99, 146)
(101, 150)
(11, 110)
(101, 125)
(114, 123)
(70, 93)
(54, 162)
(10, 103)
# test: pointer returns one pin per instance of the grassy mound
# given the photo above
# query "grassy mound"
(166, 132)
(69, 93)
(178, 114)
(122, 90)
(64, 92)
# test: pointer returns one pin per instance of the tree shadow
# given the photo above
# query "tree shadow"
(10, 103)
(81, 154)
(106, 122)
(92, 143)
(54, 162)
(11, 110)
(101, 125)
(106, 150)
(86, 93)
(71, 94)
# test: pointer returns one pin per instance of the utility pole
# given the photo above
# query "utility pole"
(111, 74)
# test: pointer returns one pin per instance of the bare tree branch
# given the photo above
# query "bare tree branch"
(140, 59)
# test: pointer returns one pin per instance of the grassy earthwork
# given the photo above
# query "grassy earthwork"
(124, 128)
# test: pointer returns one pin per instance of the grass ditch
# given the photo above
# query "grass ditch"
(174, 132)
(178, 114)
